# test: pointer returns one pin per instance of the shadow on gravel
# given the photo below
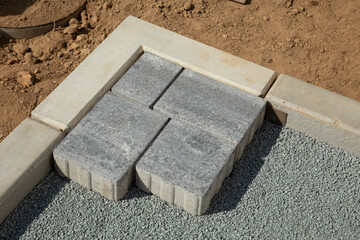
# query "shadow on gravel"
(135, 192)
(245, 170)
(32, 206)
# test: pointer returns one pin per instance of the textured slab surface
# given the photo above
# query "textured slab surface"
(215, 107)
(100, 152)
(24, 160)
(146, 80)
(185, 166)
(324, 115)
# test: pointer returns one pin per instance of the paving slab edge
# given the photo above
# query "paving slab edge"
(310, 118)
(179, 196)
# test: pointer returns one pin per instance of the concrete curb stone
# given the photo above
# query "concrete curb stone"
(25, 158)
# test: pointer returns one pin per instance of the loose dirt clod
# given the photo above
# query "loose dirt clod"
(20, 48)
(72, 29)
(25, 78)
(46, 45)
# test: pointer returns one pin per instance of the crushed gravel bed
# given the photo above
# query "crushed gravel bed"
(287, 185)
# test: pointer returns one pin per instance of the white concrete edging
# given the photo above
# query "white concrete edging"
(73, 98)
(25, 158)
(321, 114)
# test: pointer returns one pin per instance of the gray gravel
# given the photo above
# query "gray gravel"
(286, 186)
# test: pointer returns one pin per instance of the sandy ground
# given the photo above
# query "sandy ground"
(316, 41)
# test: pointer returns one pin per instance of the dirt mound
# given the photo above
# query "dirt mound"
(24, 13)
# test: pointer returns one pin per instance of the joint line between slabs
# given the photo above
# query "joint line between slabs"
(166, 88)
(153, 140)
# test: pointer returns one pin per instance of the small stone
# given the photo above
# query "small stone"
(25, 78)
(102, 37)
(28, 58)
(36, 90)
(224, 36)
(288, 4)
(74, 46)
(73, 21)
(295, 11)
(265, 18)
(189, 6)
(269, 60)
(83, 16)
(85, 24)
(107, 5)
(11, 62)
(36, 71)
(85, 51)
(81, 37)
(94, 20)
(67, 65)
(72, 29)
(20, 48)
(160, 5)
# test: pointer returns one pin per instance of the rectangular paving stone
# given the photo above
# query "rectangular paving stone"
(222, 110)
(185, 166)
(100, 152)
(147, 79)
(25, 158)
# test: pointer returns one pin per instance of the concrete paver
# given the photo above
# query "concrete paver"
(222, 110)
(100, 152)
(185, 166)
(146, 80)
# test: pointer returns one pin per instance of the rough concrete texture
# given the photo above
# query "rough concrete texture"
(100, 152)
(185, 166)
(222, 110)
(146, 80)
(25, 158)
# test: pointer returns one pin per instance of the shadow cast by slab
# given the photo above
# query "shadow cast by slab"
(245, 170)
(134, 193)
(17, 222)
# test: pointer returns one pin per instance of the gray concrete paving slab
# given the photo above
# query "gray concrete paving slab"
(100, 152)
(147, 79)
(185, 166)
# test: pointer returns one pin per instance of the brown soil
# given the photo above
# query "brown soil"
(24, 13)
(316, 41)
